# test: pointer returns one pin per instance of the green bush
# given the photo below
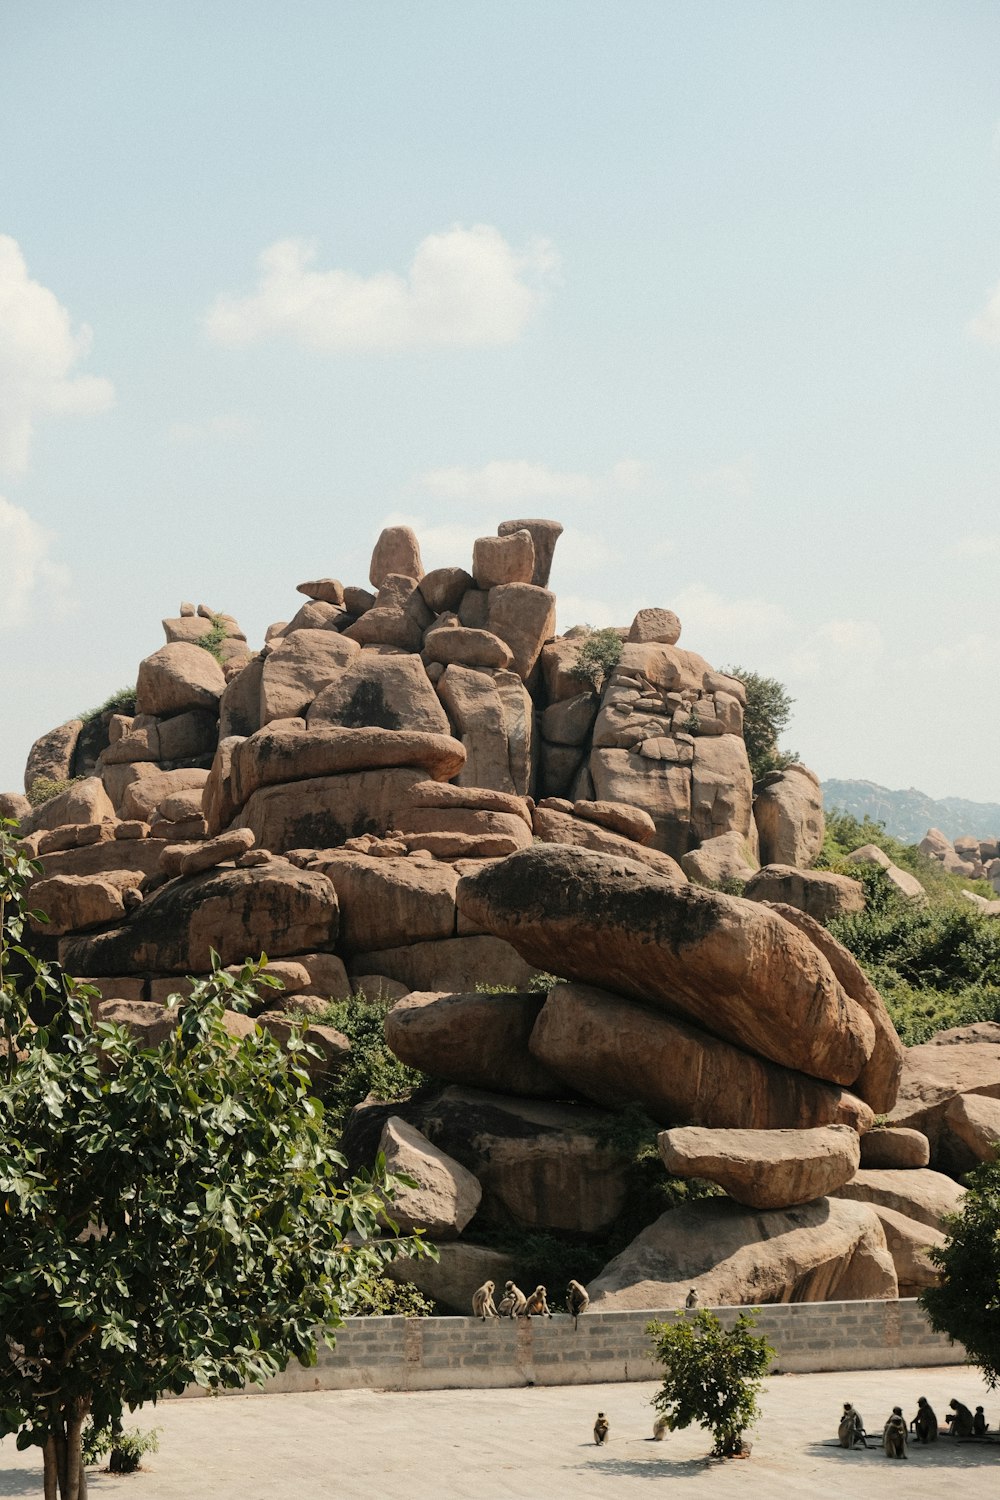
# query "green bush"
(765, 719)
(212, 640)
(126, 1447)
(120, 702)
(371, 1067)
(964, 1304)
(598, 655)
(713, 1376)
(43, 789)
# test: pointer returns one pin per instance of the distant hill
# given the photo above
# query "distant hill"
(908, 815)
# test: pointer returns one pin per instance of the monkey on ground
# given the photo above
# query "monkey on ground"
(980, 1426)
(482, 1302)
(536, 1306)
(577, 1299)
(851, 1429)
(959, 1419)
(925, 1423)
(601, 1430)
(691, 1300)
(513, 1301)
(894, 1435)
(660, 1428)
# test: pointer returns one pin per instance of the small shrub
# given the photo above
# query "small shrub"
(379, 1297)
(713, 1376)
(120, 702)
(371, 1067)
(212, 640)
(44, 788)
(765, 719)
(125, 1447)
(598, 656)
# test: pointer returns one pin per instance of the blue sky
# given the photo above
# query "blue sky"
(714, 284)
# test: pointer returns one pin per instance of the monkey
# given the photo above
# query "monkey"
(482, 1302)
(959, 1419)
(536, 1306)
(577, 1299)
(851, 1429)
(660, 1428)
(925, 1423)
(601, 1430)
(894, 1435)
(980, 1426)
(513, 1301)
(691, 1300)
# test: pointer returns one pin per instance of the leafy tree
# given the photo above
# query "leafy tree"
(966, 1303)
(713, 1376)
(168, 1215)
(598, 655)
(765, 719)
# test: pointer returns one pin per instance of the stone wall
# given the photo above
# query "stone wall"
(454, 1353)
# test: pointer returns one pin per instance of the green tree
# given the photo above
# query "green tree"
(713, 1376)
(966, 1303)
(168, 1215)
(765, 719)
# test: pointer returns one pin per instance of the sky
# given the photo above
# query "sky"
(717, 285)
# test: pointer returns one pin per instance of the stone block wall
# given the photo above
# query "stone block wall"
(411, 1354)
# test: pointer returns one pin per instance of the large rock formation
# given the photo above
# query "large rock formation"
(765, 1168)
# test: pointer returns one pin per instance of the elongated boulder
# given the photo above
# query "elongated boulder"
(82, 802)
(457, 964)
(828, 1251)
(275, 756)
(388, 901)
(764, 1168)
(617, 1052)
(271, 908)
(554, 827)
(51, 756)
(327, 810)
(446, 1196)
(919, 1193)
(820, 893)
(895, 1147)
(479, 798)
(75, 902)
(934, 1074)
(732, 966)
(975, 1119)
(478, 1040)
(541, 1165)
(878, 1081)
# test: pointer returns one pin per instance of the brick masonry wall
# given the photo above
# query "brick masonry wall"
(411, 1354)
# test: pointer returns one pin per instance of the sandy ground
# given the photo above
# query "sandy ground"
(536, 1444)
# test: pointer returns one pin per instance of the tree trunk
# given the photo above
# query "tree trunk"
(51, 1469)
(76, 1482)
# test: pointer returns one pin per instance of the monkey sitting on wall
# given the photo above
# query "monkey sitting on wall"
(482, 1302)
(536, 1306)
(577, 1299)
(512, 1302)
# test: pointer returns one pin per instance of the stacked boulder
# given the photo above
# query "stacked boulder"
(973, 858)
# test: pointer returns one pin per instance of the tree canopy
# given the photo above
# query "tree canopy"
(168, 1215)
(713, 1375)
(765, 719)
(966, 1303)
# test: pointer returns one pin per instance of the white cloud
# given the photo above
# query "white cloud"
(706, 615)
(464, 288)
(986, 325)
(838, 646)
(735, 479)
(986, 544)
(27, 567)
(513, 483)
(222, 427)
(971, 652)
(38, 349)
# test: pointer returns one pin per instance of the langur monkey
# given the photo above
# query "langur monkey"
(513, 1301)
(536, 1306)
(577, 1299)
(601, 1430)
(482, 1302)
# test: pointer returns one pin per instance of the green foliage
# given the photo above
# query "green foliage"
(212, 640)
(765, 719)
(168, 1215)
(371, 1067)
(380, 1296)
(127, 1446)
(966, 1303)
(120, 702)
(844, 833)
(44, 788)
(599, 653)
(713, 1375)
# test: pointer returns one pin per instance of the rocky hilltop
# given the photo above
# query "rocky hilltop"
(526, 841)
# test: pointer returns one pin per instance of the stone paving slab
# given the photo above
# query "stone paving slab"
(536, 1444)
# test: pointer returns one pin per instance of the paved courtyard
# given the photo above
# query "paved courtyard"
(536, 1444)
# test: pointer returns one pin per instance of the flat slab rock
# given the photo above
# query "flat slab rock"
(828, 1251)
(618, 1051)
(271, 908)
(764, 1168)
(920, 1194)
(734, 967)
